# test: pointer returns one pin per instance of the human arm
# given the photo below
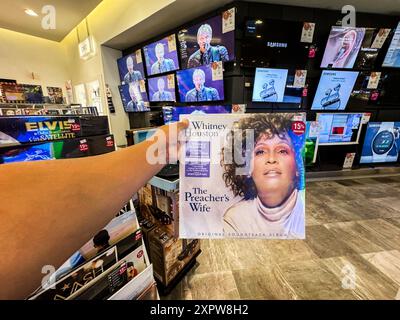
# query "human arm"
(51, 208)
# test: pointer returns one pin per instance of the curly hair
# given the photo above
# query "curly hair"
(264, 126)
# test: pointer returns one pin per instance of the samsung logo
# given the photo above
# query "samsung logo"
(277, 44)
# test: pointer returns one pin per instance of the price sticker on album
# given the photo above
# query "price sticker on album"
(374, 80)
(380, 38)
(171, 43)
(228, 20)
(142, 86)
(307, 34)
(138, 56)
(170, 81)
(298, 127)
(217, 71)
(300, 79)
(314, 129)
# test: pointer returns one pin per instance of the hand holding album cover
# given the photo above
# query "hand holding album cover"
(242, 175)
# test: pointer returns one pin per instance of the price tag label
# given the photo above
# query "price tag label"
(365, 118)
(142, 86)
(170, 81)
(298, 127)
(217, 71)
(307, 34)
(238, 108)
(374, 80)
(380, 38)
(171, 43)
(300, 79)
(228, 20)
(138, 54)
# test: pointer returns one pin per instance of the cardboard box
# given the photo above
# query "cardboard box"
(170, 255)
(27, 129)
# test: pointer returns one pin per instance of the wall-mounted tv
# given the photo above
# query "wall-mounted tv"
(275, 85)
(134, 98)
(273, 44)
(334, 90)
(204, 83)
(171, 114)
(131, 68)
(381, 143)
(162, 89)
(207, 42)
(339, 128)
(33, 93)
(392, 58)
(367, 55)
(161, 56)
(342, 47)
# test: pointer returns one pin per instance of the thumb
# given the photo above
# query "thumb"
(183, 124)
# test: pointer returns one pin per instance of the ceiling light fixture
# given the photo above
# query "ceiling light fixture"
(259, 21)
(31, 13)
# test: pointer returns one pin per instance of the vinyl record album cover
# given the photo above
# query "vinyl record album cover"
(242, 176)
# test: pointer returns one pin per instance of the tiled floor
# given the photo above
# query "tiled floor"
(353, 228)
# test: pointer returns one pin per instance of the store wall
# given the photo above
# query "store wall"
(22, 54)
(108, 19)
(119, 120)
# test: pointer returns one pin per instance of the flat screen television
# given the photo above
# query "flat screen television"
(162, 89)
(342, 47)
(339, 128)
(134, 99)
(367, 55)
(33, 93)
(273, 44)
(171, 114)
(207, 42)
(390, 92)
(381, 143)
(334, 90)
(275, 85)
(161, 56)
(131, 68)
(392, 58)
(204, 83)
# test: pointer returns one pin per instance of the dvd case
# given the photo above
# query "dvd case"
(27, 129)
(242, 176)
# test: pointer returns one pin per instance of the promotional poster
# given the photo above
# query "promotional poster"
(162, 88)
(134, 98)
(342, 47)
(55, 95)
(206, 42)
(269, 85)
(243, 176)
(161, 56)
(131, 67)
(337, 128)
(334, 90)
(171, 114)
(204, 83)
(381, 143)
(392, 58)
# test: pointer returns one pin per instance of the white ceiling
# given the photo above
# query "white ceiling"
(68, 14)
(182, 11)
